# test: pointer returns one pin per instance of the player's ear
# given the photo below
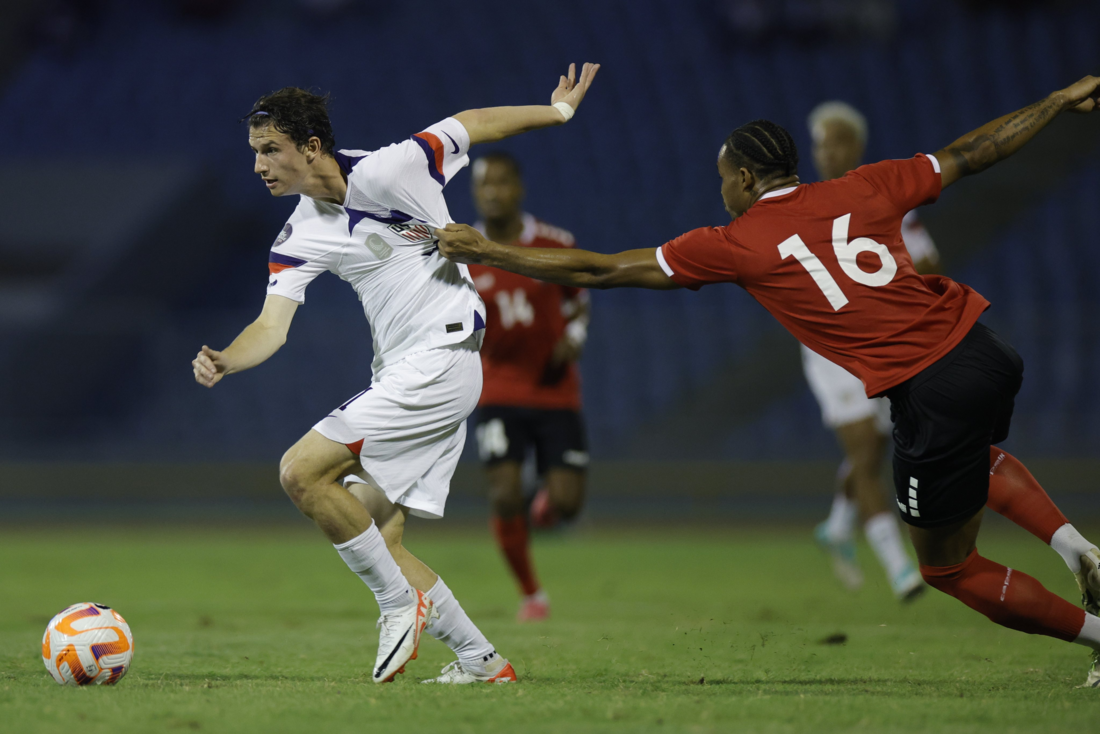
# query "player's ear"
(313, 148)
(748, 180)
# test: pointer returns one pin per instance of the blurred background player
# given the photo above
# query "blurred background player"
(862, 425)
(531, 399)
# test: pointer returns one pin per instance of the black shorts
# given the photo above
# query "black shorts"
(506, 433)
(945, 419)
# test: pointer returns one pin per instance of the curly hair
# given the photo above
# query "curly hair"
(297, 113)
(764, 148)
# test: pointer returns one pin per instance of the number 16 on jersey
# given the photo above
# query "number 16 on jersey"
(846, 254)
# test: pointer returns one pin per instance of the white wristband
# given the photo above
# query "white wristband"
(566, 111)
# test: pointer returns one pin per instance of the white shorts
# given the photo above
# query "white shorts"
(409, 426)
(841, 395)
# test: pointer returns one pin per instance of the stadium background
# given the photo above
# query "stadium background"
(133, 229)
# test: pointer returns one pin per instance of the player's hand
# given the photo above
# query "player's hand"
(572, 91)
(210, 367)
(461, 243)
(1084, 96)
(565, 351)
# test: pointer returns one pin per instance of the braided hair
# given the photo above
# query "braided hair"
(764, 148)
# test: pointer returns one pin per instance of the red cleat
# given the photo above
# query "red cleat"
(534, 608)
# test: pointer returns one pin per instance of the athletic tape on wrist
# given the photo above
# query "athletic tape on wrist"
(565, 109)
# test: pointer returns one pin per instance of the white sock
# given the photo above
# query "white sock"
(841, 523)
(455, 629)
(885, 539)
(370, 559)
(1090, 633)
(1070, 545)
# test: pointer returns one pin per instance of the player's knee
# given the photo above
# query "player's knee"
(567, 508)
(506, 500)
(294, 481)
(944, 578)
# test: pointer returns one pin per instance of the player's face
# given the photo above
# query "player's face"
(278, 161)
(497, 189)
(736, 191)
(837, 149)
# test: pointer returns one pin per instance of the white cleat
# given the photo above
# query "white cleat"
(843, 555)
(1088, 580)
(1093, 681)
(907, 585)
(457, 675)
(399, 638)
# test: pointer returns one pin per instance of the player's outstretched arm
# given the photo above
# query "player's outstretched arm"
(579, 268)
(260, 339)
(490, 124)
(997, 140)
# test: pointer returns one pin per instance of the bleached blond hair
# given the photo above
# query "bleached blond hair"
(840, 112)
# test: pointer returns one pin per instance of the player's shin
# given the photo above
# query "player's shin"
(1013, 599)
(512, 537)
(1014, 493)
(367, 556)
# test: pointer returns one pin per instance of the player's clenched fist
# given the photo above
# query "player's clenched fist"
(1084, 96)
(209, 366)
(461, 243)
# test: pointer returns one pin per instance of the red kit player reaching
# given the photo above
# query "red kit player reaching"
(828, 261)
(534, 335)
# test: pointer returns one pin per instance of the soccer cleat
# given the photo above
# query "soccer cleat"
(1093, 680)
(907, 585)
(399, 638)
(1088, 580)
(534, 608)
(843, 555)
(456, 674)
(543, 515)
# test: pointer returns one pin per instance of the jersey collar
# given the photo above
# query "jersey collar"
(778, 192)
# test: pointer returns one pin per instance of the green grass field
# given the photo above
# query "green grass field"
(265, 630)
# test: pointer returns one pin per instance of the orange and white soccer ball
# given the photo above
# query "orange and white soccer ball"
(87, 644)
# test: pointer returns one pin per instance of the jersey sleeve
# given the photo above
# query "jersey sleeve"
(917, 240)
(408, 177)
(698, 258)
(445, 147)
(907, 183)
(292, 265)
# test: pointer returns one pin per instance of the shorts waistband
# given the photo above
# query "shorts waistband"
(977, 331)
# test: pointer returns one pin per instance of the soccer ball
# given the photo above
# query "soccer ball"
(87, 644)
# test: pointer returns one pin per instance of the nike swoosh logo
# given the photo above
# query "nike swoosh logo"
(393, 652)
(453, 143)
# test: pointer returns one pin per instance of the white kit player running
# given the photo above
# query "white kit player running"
(389, 451)
(862, 424)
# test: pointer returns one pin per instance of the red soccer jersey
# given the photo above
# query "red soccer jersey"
(828, 261)
(524, 320)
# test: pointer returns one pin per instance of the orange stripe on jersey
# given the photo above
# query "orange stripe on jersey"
(433, 149)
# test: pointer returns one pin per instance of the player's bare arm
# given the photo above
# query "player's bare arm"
(490, 124)
(997, 140)
(578, 268)
(260, 339)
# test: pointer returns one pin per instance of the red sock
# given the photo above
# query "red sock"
(1014, 493)
(511, 535)
(1008, 597)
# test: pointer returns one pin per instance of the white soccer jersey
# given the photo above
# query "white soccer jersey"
(380, 241)
(917, 240)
